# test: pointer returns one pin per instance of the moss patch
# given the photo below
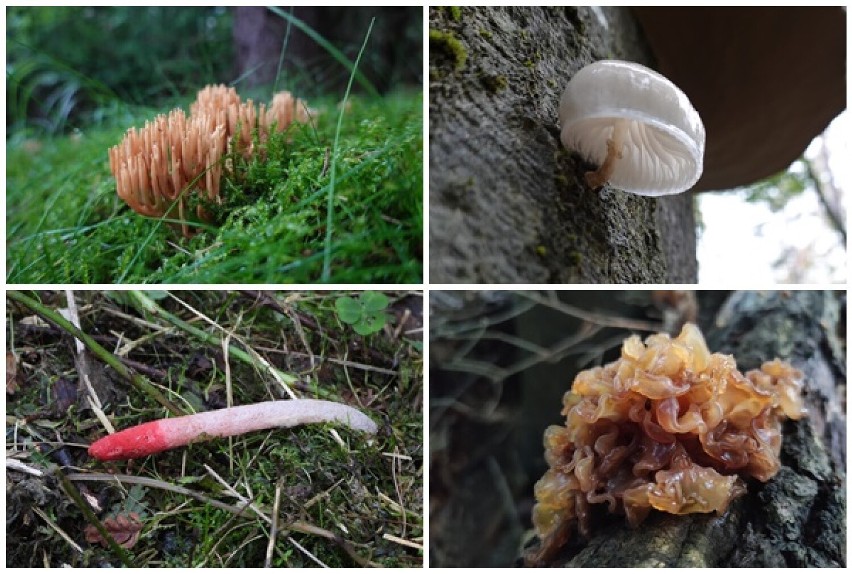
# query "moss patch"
(495, 84)
(447, 43)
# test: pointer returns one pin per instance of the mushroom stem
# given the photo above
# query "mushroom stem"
(164, 434)
(614, 152)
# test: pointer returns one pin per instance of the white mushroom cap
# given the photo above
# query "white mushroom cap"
(661, 133)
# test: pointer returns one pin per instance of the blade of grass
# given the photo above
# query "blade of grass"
(329, 224)
(75, 495)
(281, 55)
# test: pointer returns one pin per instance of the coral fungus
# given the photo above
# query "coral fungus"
(668, 426)
(155, 166)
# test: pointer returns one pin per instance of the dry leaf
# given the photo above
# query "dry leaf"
(124, 528)
(12, 380)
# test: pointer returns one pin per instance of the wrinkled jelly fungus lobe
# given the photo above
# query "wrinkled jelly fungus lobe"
(668, 426)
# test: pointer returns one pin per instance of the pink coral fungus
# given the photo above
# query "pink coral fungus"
(157, 165)
(668, 426)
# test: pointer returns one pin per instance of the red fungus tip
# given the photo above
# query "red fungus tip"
(135, 442)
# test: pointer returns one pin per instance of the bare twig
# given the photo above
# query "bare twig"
(402, 541)
(273, 531)
(16, 464)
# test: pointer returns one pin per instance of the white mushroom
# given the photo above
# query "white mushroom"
(636, 125)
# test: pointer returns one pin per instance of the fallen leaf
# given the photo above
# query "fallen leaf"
(64, 394)
(12, 382)
(124, 528)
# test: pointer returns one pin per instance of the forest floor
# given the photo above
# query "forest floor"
(336, 496)
(65, 223)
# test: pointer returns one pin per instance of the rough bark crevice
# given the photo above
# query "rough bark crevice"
(507, 201)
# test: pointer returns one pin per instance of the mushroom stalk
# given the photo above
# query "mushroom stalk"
(164, 434)
(614, 152)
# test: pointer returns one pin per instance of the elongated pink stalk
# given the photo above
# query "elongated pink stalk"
(164, 434)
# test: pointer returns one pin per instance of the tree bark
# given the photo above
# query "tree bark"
(486, 436)
(507, 202)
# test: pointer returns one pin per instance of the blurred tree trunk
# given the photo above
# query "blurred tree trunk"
(259, 38)
(507, 201)
(393, 55)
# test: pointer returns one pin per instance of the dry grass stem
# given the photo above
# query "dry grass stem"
(402, 541)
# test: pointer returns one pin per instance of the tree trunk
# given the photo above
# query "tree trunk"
(486, 433)
(507, 202)
(259, 38)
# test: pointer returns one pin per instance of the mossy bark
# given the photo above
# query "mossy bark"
(507, 202)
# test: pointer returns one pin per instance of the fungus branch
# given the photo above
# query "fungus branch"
(158, 165)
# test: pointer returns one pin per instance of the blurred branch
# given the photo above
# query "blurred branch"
(829, 195)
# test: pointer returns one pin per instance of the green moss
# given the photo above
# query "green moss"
(485, 33)
(450, 45)
(495, 84)
(575, 258)
(65, 223)
(529, 64)
(541, 250)
(455, 12)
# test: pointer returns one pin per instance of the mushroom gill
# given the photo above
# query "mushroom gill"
(156, 166)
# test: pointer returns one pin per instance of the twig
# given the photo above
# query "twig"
(396, 465)
(16, 464)
(154, 483)
(138, 381)
(551, 300)
(342, 362)
(826, 191)
(273, 531)
(74, 317)
(233, 492)
(306, 552)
